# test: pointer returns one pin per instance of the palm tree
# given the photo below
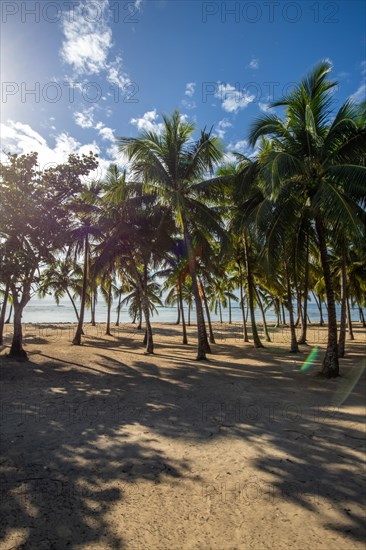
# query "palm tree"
(62, 276)
(107, 288)
(128, 217)
(176, 273)
(187, 297)
(221, 295)
(85, 209)
(246, 197)
(174, 165)
(133, 298)
(320, 159)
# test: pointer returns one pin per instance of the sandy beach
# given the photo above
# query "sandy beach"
(104, 447)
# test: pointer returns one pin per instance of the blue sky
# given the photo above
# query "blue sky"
(100, 69)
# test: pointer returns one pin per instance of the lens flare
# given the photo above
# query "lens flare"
(310, 359)
(348, 384)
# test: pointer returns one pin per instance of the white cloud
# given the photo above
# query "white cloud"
(87, 39)
(107, 133)
(230, 158)
(360, 93)
(88, 43)
(233, 99)
(116, 76)
(190, 87)
(221, 127)
(189, 104)
(137, 4)
(265, 107)
(148, 122)
(85, 118)
(254, 64)
(113, 151)
(22, 139)
(65, 144)
(239, 146)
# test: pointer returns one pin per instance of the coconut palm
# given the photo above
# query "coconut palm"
(176, 273)
(85, 210)
(174, 166)
(133, 298)
(318, 158)
(61, 277)
(127, 218)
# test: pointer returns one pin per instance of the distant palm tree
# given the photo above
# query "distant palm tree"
(85, 209)
(220, 296)
(133, 298)
(176, 272)
(62, 277)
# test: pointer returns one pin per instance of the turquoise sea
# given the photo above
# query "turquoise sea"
(46, 311)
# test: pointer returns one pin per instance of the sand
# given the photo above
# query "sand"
(105, 447)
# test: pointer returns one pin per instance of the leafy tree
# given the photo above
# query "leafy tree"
(33, 223)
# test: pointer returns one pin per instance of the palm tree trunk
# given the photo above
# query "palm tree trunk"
(362, 317)
(185, 340)
(189, 314)
(109, 306)
(321, 322)
(119, 309)
(342, 328)
(3, 312)
(203, 345)
(220, 311)
(93, 303)
(139, 326)
(178, 309)
(304, 326)
(7, 322)
(330, 361)
(245, 330)
(294, 348)
(319, 304)
(144, 303)
(265, 328)
(230, 322)
(73, 304)
(212, 338)
(277, 311)
(79, 330)
(350, 330)
(16, 349)
(298, 300)
(256, 339)
(283, 314)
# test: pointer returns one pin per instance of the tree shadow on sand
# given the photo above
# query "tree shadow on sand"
(69, 457)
